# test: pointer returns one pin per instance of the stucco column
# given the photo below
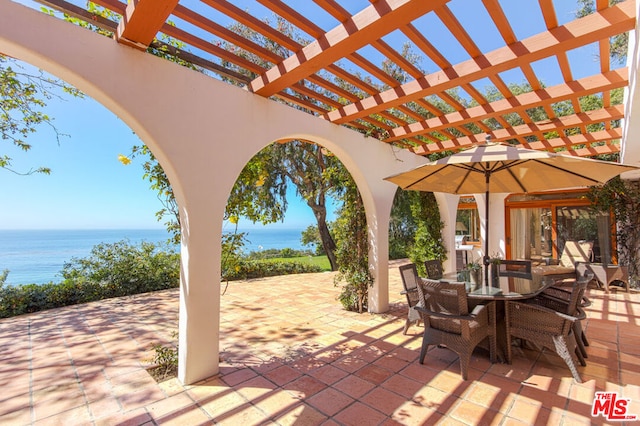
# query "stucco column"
(378, 224)
(497, 235)
(199, 323)
(448, 206)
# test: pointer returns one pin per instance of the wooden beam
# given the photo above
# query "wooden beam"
(370, 24)
(582, 87)
(592, 28)
(142, 20)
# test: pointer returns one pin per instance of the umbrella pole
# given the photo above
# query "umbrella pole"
(487, 175)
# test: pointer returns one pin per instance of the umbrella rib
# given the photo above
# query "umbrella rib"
(469, 170)
(423, 178)
(516, 180)
(567, 171)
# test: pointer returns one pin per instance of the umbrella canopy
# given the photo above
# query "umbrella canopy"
(494, 167)
(508, 169)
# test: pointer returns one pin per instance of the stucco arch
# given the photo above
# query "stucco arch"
(203, 132)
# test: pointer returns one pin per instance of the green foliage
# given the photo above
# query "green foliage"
(121, 268)
(232, 245)
(402, 224)
(286, 253)
(23, 98)
(112, 270)
(352, 250)
(311, 237)
(248, 269)
(618, 45)
(622, 198)
(415, 228)
(165, 359)
(428, 242)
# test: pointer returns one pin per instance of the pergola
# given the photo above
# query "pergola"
(334, 67)
(341, 80)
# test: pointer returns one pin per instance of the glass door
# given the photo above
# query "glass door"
(531, 233)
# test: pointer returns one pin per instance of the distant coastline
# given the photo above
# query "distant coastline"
(36, 256)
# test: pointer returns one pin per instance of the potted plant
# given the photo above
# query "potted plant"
(495, 262)
(475, 273)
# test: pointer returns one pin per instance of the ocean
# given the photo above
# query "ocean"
(37, 256)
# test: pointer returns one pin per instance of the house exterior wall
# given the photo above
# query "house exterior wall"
(630, 144)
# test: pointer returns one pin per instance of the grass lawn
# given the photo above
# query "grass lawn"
(321, 261)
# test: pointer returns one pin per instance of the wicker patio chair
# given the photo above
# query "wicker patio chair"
(544, 327)
(447, 321)
(568, 298)
(410, 278)
(515, 268)
(434, 269)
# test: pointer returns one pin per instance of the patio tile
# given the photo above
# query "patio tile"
(492, 397)
(354, 386)
(301, 415)
(373, 374)
(276, 401)
(529, 411)
(282, 375)
(402, 385)
(254, 389)
(383, 400)
(359, 414)
(470, 413)
(329, 401)
(132, 418)
(435, 399)
(104, 407)
(329, 374)
(341, 368)
(412, 413)
(305, 386)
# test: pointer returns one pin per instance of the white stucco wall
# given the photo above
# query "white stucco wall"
(630, 146)
(202, 132)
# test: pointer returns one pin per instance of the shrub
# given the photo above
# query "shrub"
(122, 269)
(278, 253)
(112, 270)
(248, 269)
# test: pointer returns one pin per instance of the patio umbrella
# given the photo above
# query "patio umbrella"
(496, 167)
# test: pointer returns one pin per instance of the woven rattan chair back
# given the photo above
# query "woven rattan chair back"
(543, 327)
(515, 268)
(447, 321)
(434, 269)
(409, 275)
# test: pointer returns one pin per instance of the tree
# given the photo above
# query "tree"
(618, 45)
(309, 168)
(311, 236)
(23, 99)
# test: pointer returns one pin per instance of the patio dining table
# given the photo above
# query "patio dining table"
(484, 294)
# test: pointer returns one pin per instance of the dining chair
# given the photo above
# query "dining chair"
(544, 327)
(434, 269)
(568, 297)
(515, 268)
(448, 322)
(409, 275)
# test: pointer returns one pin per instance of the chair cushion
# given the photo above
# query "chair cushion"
(553, 270)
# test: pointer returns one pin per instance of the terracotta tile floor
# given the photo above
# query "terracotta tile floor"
(291, 355)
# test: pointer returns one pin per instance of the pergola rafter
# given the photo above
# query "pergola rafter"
(348, 66)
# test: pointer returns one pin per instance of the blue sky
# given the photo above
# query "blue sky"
(90, 189)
